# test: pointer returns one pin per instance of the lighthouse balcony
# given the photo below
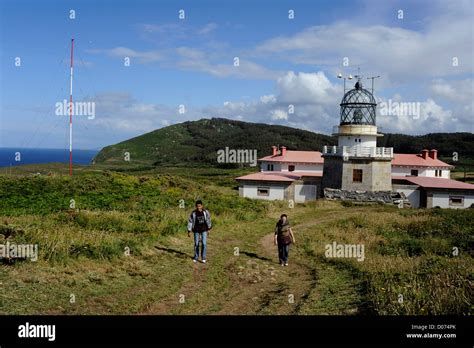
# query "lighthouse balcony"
(356, 129)
(358, 151)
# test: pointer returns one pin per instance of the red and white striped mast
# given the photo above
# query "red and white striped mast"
(71, 108)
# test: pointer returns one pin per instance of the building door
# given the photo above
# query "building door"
(304, 193)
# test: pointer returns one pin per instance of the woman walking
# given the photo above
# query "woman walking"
(283, 238)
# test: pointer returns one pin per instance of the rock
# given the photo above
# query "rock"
(384, 197)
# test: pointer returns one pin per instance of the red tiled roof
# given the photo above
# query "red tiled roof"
(296, 156)
(320, 174)
(268, 177)
(277, 176)
(405, 159)
(428, 182)
(399, 159)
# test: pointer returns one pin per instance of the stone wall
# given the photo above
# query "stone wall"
(348, 167)
(385, 197)
(376, 174)
(332, 173)
(382, 176)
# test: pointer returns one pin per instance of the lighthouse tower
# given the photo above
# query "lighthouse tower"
(357, 163)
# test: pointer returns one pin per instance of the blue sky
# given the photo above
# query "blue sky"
(190, 62)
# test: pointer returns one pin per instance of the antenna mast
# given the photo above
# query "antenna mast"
(373, 78)
(71, 108)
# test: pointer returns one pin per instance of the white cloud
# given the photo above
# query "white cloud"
(455, 91)
(190, 53)
(120, 112)
(208, 28)
(142, 56)
(399, 53)
(431, 118)
(165, 33)
(197, 60)
(279, 115)
(310, 94)
(307, 88)
(175, 29)
(234, 105)
(268, 99)
(189, 58)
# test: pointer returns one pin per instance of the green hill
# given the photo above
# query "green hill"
(197, 143)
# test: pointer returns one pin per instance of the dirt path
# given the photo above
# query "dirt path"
(305, 275)
(267, 241)
(168, 305)
(259, 285)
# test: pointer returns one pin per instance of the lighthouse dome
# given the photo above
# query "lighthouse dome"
(358, 106)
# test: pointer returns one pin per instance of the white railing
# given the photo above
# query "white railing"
(358, 151)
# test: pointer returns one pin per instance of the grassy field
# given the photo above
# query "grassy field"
(122, 248)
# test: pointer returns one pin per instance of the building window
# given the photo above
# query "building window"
(291, 168)
(456, 201)
(357, 175)
(414, 172)
(270, 167)
(438, 172)
(263, 191)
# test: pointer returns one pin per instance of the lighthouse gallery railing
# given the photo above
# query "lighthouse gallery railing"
(359, 151)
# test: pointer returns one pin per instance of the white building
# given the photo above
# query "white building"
(297, 175)
(285, 175)
(356, 164)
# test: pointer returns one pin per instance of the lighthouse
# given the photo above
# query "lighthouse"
(356, 163)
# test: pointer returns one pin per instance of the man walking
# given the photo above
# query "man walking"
(200, 224)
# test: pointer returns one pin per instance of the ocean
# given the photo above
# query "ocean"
(35, 156)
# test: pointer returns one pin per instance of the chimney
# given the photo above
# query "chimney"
(274, 151)
(283, 150)
(424, 153)
(434, 154)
